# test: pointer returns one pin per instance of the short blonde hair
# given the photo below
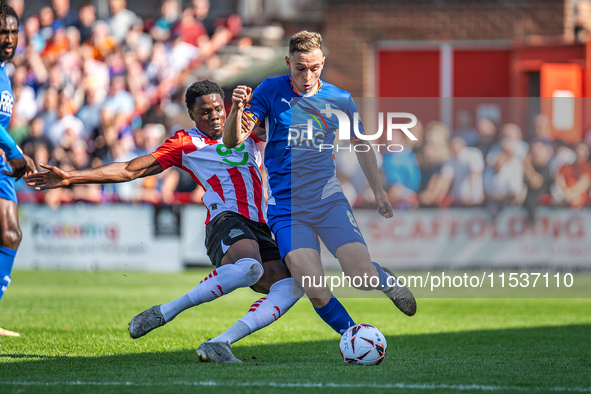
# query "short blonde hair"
(305, 41)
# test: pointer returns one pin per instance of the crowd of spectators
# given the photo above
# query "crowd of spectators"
(90, 91)
(488, 165)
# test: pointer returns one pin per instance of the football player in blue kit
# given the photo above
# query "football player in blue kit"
(13, 164)
(306, 200)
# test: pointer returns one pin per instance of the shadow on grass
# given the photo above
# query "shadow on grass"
(540, 358)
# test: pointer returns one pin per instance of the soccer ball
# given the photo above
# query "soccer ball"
(363, 344)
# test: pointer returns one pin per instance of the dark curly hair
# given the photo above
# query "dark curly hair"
(7, 10)
(201, 88)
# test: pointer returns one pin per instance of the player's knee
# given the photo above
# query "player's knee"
(11, 238)
(252, 268)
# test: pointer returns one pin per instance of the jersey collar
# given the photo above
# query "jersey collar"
(318, 89)
(208, 140)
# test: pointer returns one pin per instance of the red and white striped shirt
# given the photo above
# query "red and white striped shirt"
(231, 177)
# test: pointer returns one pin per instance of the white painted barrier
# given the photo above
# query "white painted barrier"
(94, 237)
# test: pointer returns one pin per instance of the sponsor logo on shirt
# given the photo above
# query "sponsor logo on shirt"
(6, 101)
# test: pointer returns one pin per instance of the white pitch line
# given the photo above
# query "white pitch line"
(212, 383)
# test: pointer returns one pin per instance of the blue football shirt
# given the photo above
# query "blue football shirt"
(6, 104)
(300, 168)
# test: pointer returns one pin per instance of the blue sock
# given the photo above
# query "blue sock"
(6, 261)
(383, 278)
(335, 315)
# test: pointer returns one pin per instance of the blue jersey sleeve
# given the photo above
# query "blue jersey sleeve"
(258, 107)
(9, 146)
(351, 111)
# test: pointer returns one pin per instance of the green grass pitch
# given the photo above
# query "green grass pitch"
(74, 340)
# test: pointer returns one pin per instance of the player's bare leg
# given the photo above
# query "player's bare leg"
(355, 261)
(10, 238)
(304, 265)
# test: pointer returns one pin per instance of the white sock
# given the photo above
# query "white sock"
(174, 307)
(282, 296)
(223, 280)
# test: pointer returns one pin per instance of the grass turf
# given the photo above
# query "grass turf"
(74, 339)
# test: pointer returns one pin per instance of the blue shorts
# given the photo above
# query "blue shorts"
(7, 190)
(332, 219)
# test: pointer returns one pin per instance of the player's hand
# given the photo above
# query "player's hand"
(51, 179)
(241, 96)
(21, 166)
(384, 206)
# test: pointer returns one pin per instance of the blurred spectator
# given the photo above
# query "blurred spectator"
(573, 180)
(49, 108)
(104, 138)
(563, 155)
(538, 178)
(509, 131)
(437, 135)
(431, 191)
(46, 19)
(431, 156)
(503, 178)
(190, 30)
(86, 21)
(56, 46)
(139, 43)
(18, 5)
(64, 13)
(80, 160)
(542, 130)
(465, 128)
(70, 62)
(66, 126)
(119, 99)
(36, 137)
(201, 9)
(95, 72)
(169, 15)
(25, 106)
(417, 146)
(487, 132)
(18, 128)
(462, 174)
(403, 176)
(33, 35)
(89, 113)
(182, 55)
(583, 20)
(121, 20)
(101, 40)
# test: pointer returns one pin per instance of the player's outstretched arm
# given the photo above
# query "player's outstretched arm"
(55, 177)
(238, 126)
(369, 165)
(21, 166)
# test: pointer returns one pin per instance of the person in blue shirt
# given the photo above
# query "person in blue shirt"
(13, 163)
(305, 197)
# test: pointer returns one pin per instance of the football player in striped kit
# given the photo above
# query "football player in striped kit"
(15, 164)
(238, 240)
